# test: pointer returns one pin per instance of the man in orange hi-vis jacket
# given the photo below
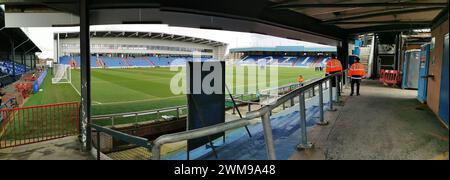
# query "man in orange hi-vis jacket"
(333, 66)
(356, 73)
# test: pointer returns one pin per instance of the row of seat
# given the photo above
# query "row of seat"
(6, 67)
(296, 61)
(111, 62)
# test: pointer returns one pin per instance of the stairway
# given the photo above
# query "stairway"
(100, 63)
(318, 61)
(72, 62)
(295, 62)
(125, 61)
(149, 61)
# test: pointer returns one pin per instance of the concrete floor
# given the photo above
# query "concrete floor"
(67, 148)
(382, 123)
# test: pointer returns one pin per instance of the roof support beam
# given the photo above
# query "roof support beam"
(387, 28)
(381, 22)
(381, 13)
(344, 5)
(120, 34)
(178, 38)
(21, 44)
(106, 34)
(168, 36)
(146, 35)
(26, 52)
(151, 37)
(440, 18)
(134, 34)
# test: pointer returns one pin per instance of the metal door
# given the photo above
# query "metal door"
(423, 73)
(443, 103)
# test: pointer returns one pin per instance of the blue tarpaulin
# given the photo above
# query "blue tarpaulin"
(39, 80)
(239, 146)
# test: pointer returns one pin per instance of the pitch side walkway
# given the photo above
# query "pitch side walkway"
(67, 148)
(383, 123)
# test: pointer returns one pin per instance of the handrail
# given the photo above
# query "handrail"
(263, 112)
(289, 85)
(286, 97)
(138, 113)
(139, 141)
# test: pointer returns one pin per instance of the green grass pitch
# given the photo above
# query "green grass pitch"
(138, 89)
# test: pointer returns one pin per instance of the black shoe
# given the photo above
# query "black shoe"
(358, 94)
(351, 94)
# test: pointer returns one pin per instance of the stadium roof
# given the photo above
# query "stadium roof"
(325, 22)
(144, 35)
(17, 36)
(284, 49)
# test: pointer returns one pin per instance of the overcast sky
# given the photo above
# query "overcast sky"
(43, 37)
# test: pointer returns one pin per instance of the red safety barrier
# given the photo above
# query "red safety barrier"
(24, 88)
(391, 77)
(381, 76)
(20, 126)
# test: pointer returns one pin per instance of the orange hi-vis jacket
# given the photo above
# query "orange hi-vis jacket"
(333, 65)
(357, 69)
(300, 79)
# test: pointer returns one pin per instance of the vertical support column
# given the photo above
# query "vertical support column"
(314, 91)
(304, 144)
(13, 59)
(98, 145)
(342, 51)
(85, 76)
(321, 113)
(27, 58)
(338, 88)
(57, 48)
(268, 137)
(375, 64)
(31, 62)
(330, 92)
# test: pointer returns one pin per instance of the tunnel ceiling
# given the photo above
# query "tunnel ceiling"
(327, 18)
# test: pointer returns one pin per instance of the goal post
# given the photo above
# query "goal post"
(61, 74)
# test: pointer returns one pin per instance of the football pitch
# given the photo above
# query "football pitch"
(136, 89)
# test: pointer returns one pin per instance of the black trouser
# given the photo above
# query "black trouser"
(357, 82)
(333, 80)
(335, 83)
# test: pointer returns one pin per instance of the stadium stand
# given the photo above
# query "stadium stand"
(139, 62)
(165, 61)
(65, 60)
(117, 62)
(300, 61)
(6, 67)
(6, 80)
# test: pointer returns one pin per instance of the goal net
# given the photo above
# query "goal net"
(61, 74)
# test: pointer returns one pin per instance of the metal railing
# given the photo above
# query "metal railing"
(134, 140)
(263, 113)
(281, 90)
(137, 114)
(26, 125)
